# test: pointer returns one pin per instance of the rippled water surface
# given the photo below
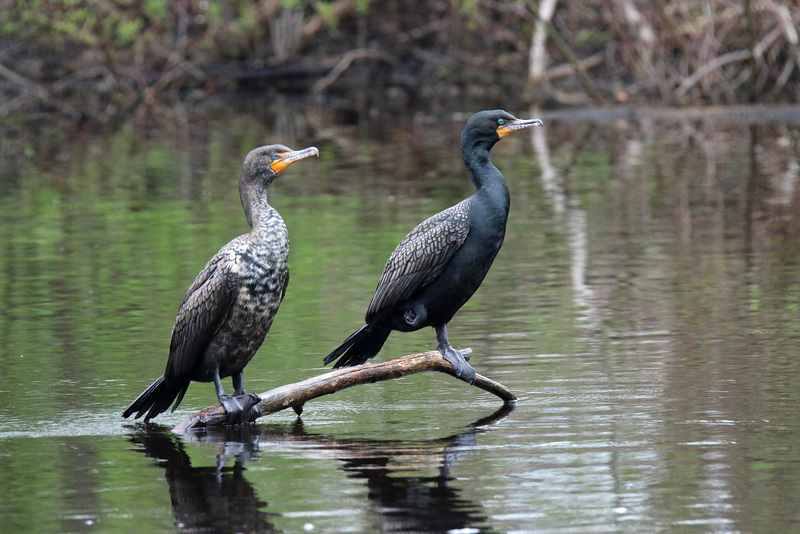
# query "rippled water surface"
(644, 310)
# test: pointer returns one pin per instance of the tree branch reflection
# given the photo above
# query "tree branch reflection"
(221, 497)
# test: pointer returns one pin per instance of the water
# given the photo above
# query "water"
(644, 309)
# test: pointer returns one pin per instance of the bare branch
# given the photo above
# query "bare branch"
(710, 67)
(564, 47)
(344, 64)
(35, 89)
(537, 58)
(296, 395)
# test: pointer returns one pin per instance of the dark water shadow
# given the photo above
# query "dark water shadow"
(221, 499)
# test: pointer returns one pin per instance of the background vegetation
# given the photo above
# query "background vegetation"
(99, 59)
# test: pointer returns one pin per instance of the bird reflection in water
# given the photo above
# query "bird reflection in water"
(219, 498)
(212, 498)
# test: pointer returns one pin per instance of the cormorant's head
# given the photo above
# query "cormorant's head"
(260, 168)
(267, 162)
(491, 126)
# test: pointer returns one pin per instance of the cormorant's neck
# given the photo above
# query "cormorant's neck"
(491, 189)
(476, 157)
(254, 202)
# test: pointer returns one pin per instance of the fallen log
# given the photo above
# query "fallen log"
(295, 395)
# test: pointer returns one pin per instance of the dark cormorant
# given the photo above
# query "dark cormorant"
(439, 265)
(230, 306)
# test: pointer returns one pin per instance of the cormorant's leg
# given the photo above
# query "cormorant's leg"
(238, 384)
(242, 407)
(464, 371)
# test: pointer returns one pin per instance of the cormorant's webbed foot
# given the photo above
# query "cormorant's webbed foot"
(463, 370)
(241, 408)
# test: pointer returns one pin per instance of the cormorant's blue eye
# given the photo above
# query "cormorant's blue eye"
(501, 122)
(276, 156)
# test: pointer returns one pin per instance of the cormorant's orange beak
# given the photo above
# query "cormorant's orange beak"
(514, 125)
(285, 159)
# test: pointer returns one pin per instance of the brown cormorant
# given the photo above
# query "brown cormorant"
(439, 265)
(230, 306)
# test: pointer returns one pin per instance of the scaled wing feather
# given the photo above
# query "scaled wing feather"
(420, 257)
(203, 310)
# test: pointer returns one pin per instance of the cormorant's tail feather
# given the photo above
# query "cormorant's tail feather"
(157, 398)
(362, 345)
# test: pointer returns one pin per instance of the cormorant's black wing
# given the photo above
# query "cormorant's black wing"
(203, 310)
(421, 257)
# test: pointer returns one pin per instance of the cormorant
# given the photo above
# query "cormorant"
(439, 265)
(230, 306)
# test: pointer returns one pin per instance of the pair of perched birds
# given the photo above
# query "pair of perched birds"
(435, 269)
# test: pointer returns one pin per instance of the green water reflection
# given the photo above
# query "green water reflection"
(644, 309)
